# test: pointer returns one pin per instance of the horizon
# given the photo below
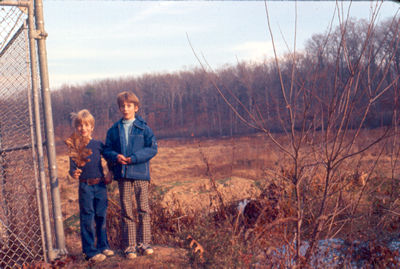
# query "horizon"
(97, 40)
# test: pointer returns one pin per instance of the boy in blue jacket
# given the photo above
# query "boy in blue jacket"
(130, 144)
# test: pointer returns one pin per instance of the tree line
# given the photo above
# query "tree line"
(225, 102)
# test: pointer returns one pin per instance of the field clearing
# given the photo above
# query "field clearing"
(179, 174)
(184, 169)
(180, 167)
(183, 173)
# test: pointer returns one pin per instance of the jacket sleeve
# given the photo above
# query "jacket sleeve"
(148, 151)
(108, 152)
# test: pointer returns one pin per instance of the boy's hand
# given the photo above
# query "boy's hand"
(108, 178)
(77, 173)
(122, 159)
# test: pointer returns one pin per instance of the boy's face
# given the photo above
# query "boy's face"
(85, 129)
(128, 110)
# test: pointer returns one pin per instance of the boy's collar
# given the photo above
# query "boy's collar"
(138, 122)
(127, 121)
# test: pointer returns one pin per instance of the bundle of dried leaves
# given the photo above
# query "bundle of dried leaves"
(77, 149)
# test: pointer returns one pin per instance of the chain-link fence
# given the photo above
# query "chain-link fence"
(25, 236)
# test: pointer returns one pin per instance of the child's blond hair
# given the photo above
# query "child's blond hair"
(128, 97)
(83, 116)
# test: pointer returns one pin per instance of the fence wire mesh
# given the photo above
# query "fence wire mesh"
(21, 237)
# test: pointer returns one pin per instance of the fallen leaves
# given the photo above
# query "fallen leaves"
(195, 247)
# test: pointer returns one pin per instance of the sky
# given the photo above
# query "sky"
(95, 40)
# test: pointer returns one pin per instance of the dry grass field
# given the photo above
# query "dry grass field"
(181, 173)
(179, 170)
(189, 176)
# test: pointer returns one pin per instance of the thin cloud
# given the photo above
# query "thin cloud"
(253, 50)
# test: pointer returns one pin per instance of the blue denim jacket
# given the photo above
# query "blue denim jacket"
(141, 148)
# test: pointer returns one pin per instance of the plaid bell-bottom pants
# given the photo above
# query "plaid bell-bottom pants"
(130, 235)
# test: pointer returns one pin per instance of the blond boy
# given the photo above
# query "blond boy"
(92, 191)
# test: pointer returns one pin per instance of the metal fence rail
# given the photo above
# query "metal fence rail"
(20, 226)
(25, 226)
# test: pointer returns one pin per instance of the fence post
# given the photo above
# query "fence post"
(50, 254)
(49, 128)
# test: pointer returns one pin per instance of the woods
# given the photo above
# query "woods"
(186, 103)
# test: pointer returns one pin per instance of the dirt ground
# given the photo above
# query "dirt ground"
(163, 257)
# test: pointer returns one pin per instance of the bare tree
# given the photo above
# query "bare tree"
(324, 102)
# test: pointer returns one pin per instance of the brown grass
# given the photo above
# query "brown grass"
(185, 203)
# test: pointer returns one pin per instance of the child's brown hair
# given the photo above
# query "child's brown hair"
(83, 116)
(128, 97)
